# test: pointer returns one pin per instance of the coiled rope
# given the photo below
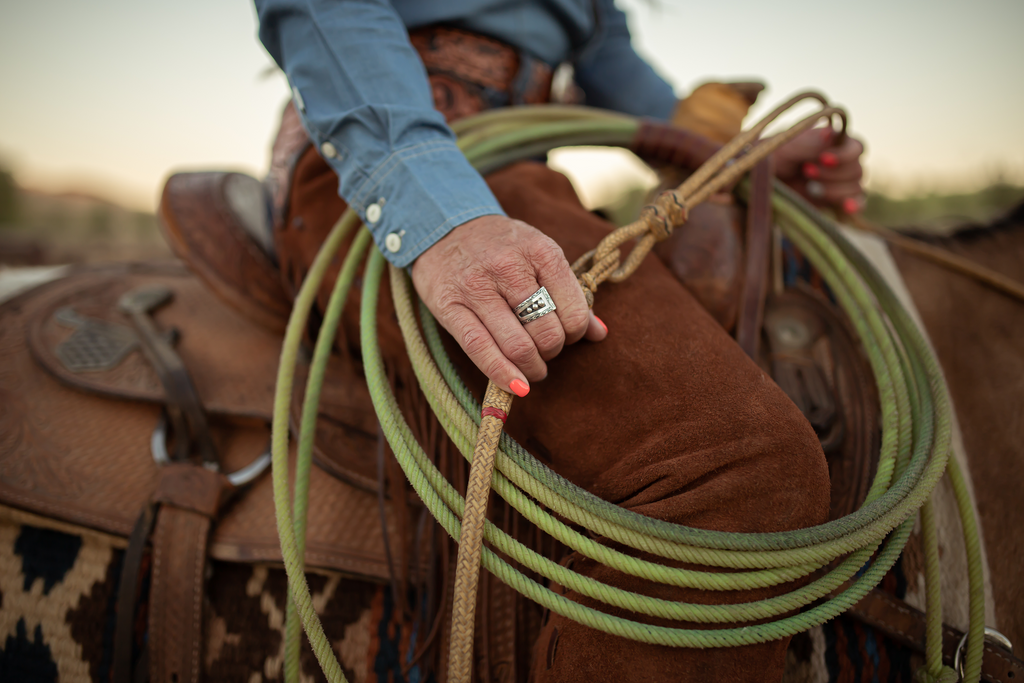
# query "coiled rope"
(862, 547)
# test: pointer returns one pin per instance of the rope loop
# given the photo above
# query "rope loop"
(587, 282)
(946, 675)
(914, 451)
(670, 210)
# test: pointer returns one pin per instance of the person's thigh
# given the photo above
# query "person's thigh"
(667, 417)
(667, 397)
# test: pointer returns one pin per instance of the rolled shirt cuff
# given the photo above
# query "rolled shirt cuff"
(416, 196)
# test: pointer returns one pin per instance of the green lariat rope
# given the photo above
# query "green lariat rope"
(862, 547)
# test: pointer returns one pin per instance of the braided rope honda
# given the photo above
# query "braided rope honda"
(858, 549)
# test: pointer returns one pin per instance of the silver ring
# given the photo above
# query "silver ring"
(815, 189)
(537, 305)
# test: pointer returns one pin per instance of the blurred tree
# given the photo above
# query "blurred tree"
(8, 198)
(100, 219)
(145, 224)
(943, 211)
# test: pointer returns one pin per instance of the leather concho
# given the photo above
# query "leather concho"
(814, 357)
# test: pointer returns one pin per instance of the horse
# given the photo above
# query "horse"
(973, 330)
(976, 333)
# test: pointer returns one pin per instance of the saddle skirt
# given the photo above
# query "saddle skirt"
(81, 405)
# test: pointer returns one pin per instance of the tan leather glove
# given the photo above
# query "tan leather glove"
(716, 110)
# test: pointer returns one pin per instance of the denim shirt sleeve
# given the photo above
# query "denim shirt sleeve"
(364, 98)
(612, 74)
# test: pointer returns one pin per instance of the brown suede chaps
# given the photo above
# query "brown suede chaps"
(667, 417)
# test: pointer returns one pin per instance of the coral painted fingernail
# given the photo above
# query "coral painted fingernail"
(851, 205)
(811, 170)
(829, 159)
(601, 323)
(519, 387)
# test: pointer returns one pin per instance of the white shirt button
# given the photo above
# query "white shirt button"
(393, 242)
(329, 150)
(373, 212)
(297, 96)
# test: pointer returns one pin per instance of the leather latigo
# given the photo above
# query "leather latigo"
(75, 446)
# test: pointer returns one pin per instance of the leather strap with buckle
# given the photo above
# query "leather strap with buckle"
(906, 625)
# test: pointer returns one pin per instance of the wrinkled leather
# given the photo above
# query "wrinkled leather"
(707, 255)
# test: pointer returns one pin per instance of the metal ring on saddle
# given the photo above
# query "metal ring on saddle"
(991, 635)
(158, 447)
(537, 305)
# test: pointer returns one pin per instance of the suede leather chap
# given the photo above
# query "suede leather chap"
(667, 417)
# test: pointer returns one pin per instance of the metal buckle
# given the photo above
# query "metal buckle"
(991, 635)
(158, 447)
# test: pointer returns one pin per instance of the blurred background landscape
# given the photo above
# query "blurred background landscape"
(101, 101)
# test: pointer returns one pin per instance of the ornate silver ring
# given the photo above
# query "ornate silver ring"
(537, 305)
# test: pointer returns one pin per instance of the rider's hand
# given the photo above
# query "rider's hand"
(472, 279)
(826, 173)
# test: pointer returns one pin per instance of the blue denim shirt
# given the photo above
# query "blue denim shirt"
(364, 98)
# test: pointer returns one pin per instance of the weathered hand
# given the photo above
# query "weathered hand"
(825, 173)
(473, 277)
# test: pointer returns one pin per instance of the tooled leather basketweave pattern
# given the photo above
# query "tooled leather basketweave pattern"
(73, 455)
(94, 345)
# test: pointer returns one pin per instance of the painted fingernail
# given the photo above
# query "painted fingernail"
(601, 323)
(829, 159)
(519, 387)
(811, 170)
(851, 205)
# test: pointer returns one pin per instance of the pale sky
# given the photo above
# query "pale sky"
(111, 96)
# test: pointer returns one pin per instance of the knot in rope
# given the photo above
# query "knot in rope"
(671, 209)
(666, 214)
(658, 222)
(946, 675)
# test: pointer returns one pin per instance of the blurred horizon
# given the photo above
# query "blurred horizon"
(107, 99)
